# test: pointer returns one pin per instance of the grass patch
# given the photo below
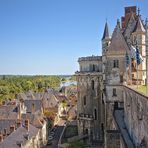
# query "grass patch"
(71, 131)
(142, 89)
(77, 144)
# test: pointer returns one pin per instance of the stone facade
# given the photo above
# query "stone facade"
(89, 83)
(121, 111)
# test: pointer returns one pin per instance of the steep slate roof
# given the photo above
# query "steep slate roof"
(37, 105)
(34, 119)
(139, 26)
(106, 32)
(130, 27)
(8, 111)
(121, 47)
(6, 123)
(18, 135)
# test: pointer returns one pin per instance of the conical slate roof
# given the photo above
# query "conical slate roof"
(106, 32)
(139, 26)
(118, 44)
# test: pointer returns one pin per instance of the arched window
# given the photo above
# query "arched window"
(95, 114)
(93, 67)
(92, 84)
(84, 100)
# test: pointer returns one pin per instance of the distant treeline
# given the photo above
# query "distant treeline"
(12, 85)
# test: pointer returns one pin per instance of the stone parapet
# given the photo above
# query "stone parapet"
(90, 58)
(87, 73)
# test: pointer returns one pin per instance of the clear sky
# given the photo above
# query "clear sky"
(48, 36)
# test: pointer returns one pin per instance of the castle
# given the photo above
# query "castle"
(111, 113)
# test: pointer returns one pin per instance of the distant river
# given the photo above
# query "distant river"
(68, 83)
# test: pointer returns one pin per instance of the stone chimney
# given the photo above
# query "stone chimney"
(1, 137)
(27, 124)
(5, 132)
(18, 123)
(12, 128)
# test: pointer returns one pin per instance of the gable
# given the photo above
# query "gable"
(118, 44)
(129, 29)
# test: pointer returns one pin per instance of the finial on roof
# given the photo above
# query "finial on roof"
(138, 11)
(146, 22)
(118, 23)
(106, 32)
(139, 26)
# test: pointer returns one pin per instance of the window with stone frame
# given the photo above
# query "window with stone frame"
(116, 63)
(95, 114)
(114, 92)
(84, 100)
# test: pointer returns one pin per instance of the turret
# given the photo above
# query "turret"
(105, 39)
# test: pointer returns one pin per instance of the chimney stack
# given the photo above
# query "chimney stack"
(12, 128)
(5, 132)
(18, 123)
(1, 137)
(27, 124)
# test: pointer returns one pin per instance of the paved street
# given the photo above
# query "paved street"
(57, 135)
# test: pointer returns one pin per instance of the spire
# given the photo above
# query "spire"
(106, 32)
(138, 11)
(118, 23)
(139, 26)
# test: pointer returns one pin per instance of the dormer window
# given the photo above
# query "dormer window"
(116, 64)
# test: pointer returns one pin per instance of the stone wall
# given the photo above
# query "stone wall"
(113, 97)
(136, 116)
(112, 139)
(89, 87)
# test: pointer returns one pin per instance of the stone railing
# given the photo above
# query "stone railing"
(90, 58)
(85, 116)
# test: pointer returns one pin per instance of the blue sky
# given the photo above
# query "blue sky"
(48, 36)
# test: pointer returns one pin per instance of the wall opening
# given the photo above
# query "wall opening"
(92, 84)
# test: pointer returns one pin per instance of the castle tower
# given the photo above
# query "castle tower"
(138, 37)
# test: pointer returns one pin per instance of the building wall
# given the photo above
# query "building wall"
(136, 115)
(89, 85)
(112, 139)
(89, 102)
(90, 64)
